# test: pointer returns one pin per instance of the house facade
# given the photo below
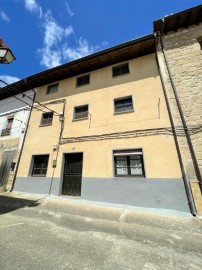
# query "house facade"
(106, 134)
(14, 116)
(122, 125)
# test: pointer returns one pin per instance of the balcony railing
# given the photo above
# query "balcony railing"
(5, 131)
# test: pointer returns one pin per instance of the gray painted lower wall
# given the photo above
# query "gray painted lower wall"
(143, 192)
(151, 193)
(37, 185)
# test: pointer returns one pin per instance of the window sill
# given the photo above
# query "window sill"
(130, 178)
(37, 175)
(129, 111)
(78, 86)
(5, 135)
(47, 94)
(45, 125)
(118, 76)
(80, 119)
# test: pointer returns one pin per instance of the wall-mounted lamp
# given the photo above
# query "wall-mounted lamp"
(6, 55)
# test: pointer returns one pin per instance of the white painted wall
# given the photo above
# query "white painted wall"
(11, 103)
(19, 110)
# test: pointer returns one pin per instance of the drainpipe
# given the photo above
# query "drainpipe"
(190, 145)
(23, 141)
(59, 141)
(184, 176)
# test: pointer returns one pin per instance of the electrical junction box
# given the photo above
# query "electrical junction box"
(55, 147)
(54, 164)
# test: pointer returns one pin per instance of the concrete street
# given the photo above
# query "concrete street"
(38, 232)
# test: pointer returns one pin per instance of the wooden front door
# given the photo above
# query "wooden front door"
(72, 174)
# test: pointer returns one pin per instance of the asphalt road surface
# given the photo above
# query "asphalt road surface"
(47, 233)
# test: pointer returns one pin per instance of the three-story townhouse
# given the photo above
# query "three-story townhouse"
(105, 135)
(122, 125)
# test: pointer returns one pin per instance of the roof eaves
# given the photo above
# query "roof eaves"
(157, 24)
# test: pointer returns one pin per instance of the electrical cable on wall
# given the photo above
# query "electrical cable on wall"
(15, 89)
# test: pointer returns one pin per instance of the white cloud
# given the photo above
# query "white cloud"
(51, 53)
(49, 57)
(53, 33)
(4, 16)
(56, 49)
(69, 10)
(8, 79)
(105, 43)
(82, 49)
(32, 6)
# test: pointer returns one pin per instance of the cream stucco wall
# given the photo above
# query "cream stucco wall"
(143, 84)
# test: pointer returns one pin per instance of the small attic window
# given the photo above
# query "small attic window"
(199, 39)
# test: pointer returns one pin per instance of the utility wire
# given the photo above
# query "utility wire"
(55, 113)
(32, 106)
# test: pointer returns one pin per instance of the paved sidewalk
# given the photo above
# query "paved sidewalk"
(57, 233)
(102, 211)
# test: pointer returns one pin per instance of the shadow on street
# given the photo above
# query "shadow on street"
(9, 204)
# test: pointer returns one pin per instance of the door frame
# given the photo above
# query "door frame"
(62, 170)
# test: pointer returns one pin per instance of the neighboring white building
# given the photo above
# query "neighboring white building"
(14, 115)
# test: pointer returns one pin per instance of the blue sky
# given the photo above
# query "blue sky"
(46, 33)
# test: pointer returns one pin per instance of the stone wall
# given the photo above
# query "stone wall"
(184, 57)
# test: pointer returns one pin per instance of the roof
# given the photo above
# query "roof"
(178, 20)
(120, 53)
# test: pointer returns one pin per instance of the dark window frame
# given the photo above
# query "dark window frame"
(128, 155)
(83, 115)
(124, 106)
(83, 80)
(120, 70)
(47, 121)
(7, 130)
(48, 92)
(39, 166)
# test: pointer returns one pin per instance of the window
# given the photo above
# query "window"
(40, 165)
(199, 39)
(47, 119)
(123, 104)
(52, 89)
(7, 130)
(129, 163)
(120, 70)
(82, 80)
(81, 112)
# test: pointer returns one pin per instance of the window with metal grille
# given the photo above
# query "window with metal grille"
(81, 112)
(52, 89)
(120, 70)
(7, 130)
(40, 165)
(83, 80)
(46, 118)
(123, 104)
(129, 163)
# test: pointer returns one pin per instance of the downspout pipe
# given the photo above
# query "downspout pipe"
(184, 176)
(20, 155)
(59, 141)
(190, 145)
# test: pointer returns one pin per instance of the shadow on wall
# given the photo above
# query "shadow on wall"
(140, 69)
(9, 204)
